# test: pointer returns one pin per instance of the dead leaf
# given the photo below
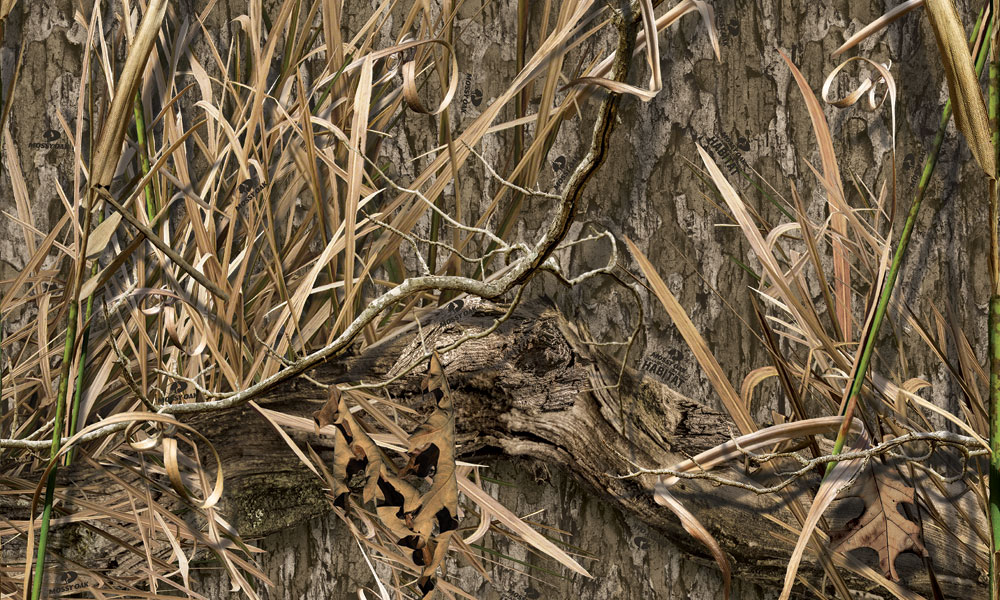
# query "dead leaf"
(100, 237)
(423, 523)
(432, 453)
(359, 464)
(881, 526)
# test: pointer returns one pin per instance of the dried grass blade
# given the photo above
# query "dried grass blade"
(5, 7)
(105, 159)
(723, 453)
(810, 239)
(652, 47)
(649, 30)
(866, 86)
(852, 564)
(726, 391)
(384, 593)
(305, 287)
(831, 173)
(288, 440)
(33, 264)
(862, 355)
(755, 378)
(918, 401)
(963, 85)
(759, 439)
(841, 475)
(694, 528)
(19, 189)
(666, 20)
(113, 130)
(182, 559)
(44, 353)
(804, 314)
(174, 256)
(877, 25)
(355, 168)
(554, 45)
(502, 514)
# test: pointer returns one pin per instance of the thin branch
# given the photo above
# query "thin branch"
(968, 446)
(163, 246)
(516, 274)
(510, 184)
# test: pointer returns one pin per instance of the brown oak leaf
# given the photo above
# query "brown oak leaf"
(422, 522)
(432, 453)
(881, 526)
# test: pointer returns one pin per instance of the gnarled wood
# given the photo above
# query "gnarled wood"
(530, 389)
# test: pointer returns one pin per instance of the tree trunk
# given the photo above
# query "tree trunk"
(530, 397)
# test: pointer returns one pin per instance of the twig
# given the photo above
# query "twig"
(517, 273)
(510, 184)
(968, 446)
(451, 221)
(166, 249)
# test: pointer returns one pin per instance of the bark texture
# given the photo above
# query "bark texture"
(533, 411)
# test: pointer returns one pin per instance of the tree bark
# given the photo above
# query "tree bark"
(647, 192)
(531, 389)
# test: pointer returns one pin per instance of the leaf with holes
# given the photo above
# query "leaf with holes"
(359, 464)
(881, 526)
(432, 453)
(421, 522)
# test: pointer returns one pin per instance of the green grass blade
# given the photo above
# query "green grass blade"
(43, 534)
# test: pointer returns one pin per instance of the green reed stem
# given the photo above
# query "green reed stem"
(897, 260)
(50, 485)
(993, 325)
(140, 139)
